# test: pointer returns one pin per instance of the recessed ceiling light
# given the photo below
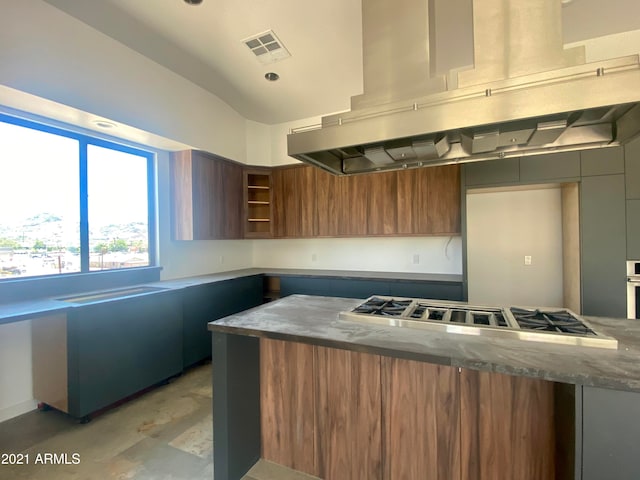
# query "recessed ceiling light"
(104, 124)
(271, 76)
(193, 2)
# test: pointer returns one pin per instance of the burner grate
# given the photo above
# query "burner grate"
(557, 321)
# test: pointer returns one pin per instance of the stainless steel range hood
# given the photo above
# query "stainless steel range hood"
(526, 94)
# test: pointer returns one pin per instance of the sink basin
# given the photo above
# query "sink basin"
(111, 294)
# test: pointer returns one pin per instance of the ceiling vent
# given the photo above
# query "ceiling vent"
(266, 47)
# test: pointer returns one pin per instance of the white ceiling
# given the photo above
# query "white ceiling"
(204, 44)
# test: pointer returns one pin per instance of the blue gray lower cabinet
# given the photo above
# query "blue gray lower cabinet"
(610, 435)
(209, 302)
(116, 349)
(363, 288)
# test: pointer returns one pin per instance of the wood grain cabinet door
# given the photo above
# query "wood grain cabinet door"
(421, 417)
(443, 200)
(286, 203)
(327, 190)
(305, 192)
(206, 196)
(508, 428)
(348, 402)
(353, 205)
(382, 215)
(287, 417)
(230, 222)
(428, 201)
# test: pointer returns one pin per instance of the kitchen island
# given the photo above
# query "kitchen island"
(296, 385)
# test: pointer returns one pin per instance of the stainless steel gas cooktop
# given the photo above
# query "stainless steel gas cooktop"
(550, 325)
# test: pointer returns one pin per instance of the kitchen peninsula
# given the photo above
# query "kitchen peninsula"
(296, 385)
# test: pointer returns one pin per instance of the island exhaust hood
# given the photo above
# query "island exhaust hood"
(525, 95)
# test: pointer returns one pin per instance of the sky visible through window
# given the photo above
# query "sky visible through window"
(40, 205)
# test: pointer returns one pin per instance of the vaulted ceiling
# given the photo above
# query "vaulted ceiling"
(204, 44)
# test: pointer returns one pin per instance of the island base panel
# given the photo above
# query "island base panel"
(236, 404)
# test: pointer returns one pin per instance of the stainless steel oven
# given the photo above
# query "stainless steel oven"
(633, 289)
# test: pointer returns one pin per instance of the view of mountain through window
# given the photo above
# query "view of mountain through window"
(44, 205)
(117, 185)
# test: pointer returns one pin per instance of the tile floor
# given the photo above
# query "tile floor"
(165, 434)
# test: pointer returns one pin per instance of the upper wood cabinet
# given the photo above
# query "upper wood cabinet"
(327, 190)
(310, 202)
(258, 201)
(214, 198)
(294, 201)
(206, 197)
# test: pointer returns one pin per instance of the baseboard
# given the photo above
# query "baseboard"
(16, 410)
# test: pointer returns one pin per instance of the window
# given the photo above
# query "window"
(71, 203)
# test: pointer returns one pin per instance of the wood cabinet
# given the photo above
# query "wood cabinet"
(206, 196)
(507, 427)
(327, 189)
(348, 403)
(310, 202)
(214, 198)
(411, 201)
(421, 415)
(382, 212)
(287, 404)
(258, 201)
(294, 205)
(443, 200)
(352, 205)
(377, 417)
(428, 201)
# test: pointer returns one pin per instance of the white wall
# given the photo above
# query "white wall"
(48, 53)
(503, 227)
(16, 396)
(258, 143)
(279, 139)
(435, 254)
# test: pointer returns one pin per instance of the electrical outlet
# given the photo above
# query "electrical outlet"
(416, 259)
(221, 259)
(314, 257)
(527, 259)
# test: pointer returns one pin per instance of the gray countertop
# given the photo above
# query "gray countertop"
(24, 310)
(314, 320)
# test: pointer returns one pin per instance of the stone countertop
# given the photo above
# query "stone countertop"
(295, 272)
(24, 310)
(314, 320)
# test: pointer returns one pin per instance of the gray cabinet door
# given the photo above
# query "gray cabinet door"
(118, 348)
(555, 166)
(632, 168)
(610, 434)
(633, 229)
(602, 161)
(603, 237)
(492, 172)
